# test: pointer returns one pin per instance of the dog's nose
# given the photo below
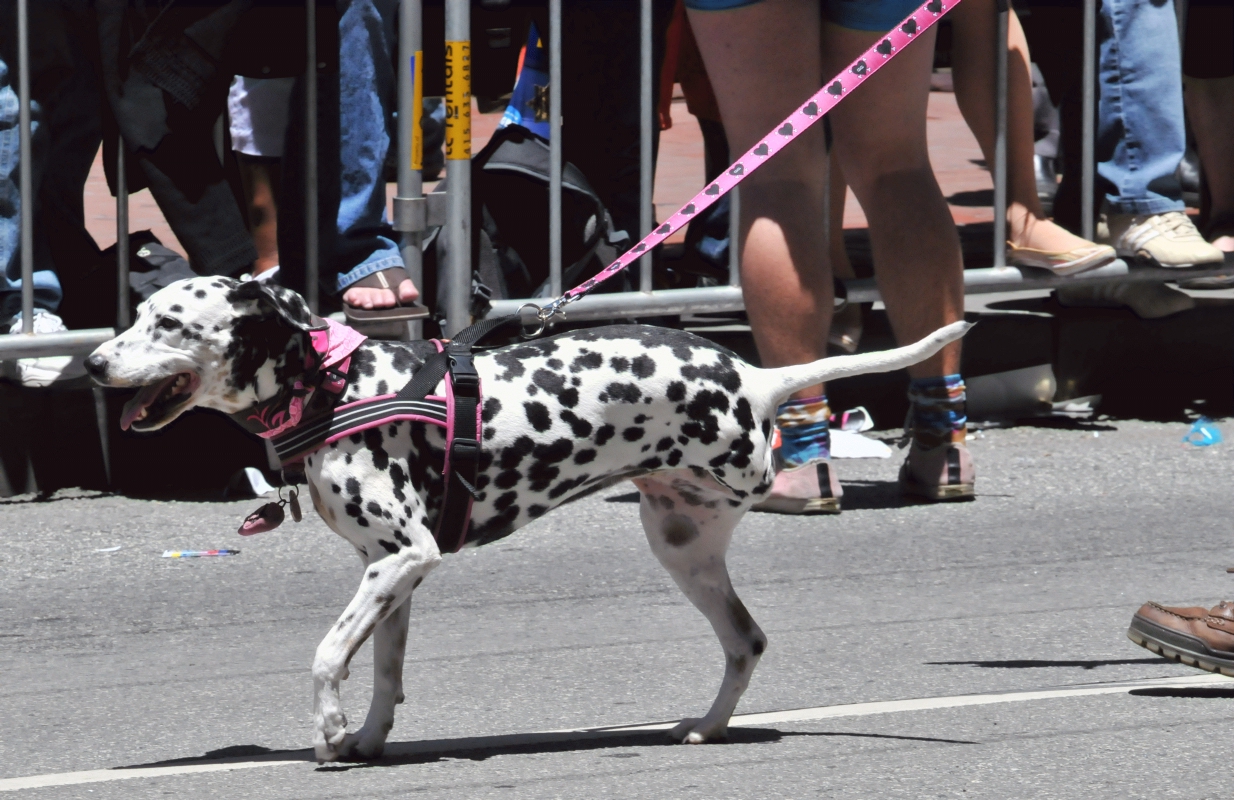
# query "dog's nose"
(96, 366)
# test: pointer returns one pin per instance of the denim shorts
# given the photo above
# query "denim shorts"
(857, 15)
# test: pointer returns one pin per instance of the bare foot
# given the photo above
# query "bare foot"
(1026, 230)
(380, 298)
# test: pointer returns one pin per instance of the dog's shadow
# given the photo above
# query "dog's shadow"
(858, 496)
(484, 747)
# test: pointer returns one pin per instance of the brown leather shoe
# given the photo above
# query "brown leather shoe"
(1193, 636)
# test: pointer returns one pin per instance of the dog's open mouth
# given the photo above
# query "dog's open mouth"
(158, 401)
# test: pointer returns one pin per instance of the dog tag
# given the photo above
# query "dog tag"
(266, 518)
(294, 502)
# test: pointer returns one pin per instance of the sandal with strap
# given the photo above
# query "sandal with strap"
(389, 279)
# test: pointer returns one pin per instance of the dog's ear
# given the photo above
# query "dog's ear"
(289, 306)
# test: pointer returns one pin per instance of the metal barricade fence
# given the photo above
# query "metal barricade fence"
(414, 212)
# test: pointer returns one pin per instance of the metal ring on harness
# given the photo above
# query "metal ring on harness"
(541, 316)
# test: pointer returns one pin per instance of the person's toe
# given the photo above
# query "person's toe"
(408, 292)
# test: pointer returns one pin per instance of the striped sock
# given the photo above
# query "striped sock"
(805, 437)
(938, 414)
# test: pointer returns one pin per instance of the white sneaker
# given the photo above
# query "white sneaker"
(46, 370)
(1170, 240)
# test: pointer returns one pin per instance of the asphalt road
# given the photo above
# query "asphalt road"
(128, 659)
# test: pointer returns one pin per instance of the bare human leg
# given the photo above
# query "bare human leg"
(1210, 105)
(913, 239)
(973, 55)
(260, 176)
(786, 277)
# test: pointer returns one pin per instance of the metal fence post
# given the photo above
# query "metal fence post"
(26, 176)
(122, 239)
(1089, 126)
(411, 139)
(645, 172)
(311, 239)
(554, 147)
(1001, 76)
(458, 165)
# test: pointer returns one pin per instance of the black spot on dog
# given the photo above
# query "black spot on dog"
(200, 294)
(674, 458)
(507, 479)
(584, 456)
(664, 444)
(632, 434)
(390, 547)
(374, 574)
(505, 501)
(353, 487)
(622, 393)
(722, 372)
(676, 391)
(679, 530)
(554, 363)
(513, 455)
(604, 433)
(492, 407)
(565, 486)
(537, 415)
(373, 509)
(650, 463)
(739, 615)
(579, 426)
(536, 512)
(586, 359)
(643, 367)
(619, 363)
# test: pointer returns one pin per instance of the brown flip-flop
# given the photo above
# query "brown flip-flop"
(390, 279)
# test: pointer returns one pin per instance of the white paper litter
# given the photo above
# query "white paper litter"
(849, 444)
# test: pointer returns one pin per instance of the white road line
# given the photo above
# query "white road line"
(482, 742)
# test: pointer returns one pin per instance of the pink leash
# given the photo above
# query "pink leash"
(824, 100)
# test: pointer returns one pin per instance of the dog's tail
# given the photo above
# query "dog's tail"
(782, 382)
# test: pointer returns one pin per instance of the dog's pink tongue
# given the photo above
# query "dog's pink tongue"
(144, 397)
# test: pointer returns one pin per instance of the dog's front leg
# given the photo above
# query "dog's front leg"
(384, 593)
(389, 646)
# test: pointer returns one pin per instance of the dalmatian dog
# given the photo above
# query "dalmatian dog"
(684, 419)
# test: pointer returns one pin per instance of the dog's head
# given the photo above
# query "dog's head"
(211, 342)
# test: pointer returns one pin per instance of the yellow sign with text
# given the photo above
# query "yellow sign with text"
(458, 101)
(417, 111)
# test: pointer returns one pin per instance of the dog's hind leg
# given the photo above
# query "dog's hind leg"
(384, 592)
(689, 527)
(389, 646)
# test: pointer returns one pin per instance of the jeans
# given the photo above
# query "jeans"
(355, 117)
(1140, 134)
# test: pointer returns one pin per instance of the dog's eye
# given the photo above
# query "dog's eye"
(168, 323)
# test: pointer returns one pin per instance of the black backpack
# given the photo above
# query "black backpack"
(509, 241)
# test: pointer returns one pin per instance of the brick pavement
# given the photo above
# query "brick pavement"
(679, 175)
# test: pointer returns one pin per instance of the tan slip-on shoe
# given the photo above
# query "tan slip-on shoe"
(1066, 262)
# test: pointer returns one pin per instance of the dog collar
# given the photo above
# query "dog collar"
(326, 365)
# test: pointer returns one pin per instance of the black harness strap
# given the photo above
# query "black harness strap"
(454, 363)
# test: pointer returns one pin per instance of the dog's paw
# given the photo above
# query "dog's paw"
(362, 746)
(695, 731)
(331, 733)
